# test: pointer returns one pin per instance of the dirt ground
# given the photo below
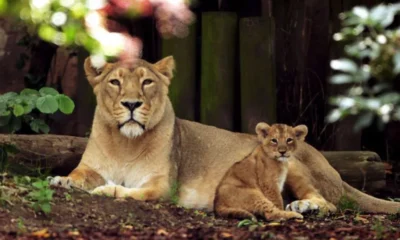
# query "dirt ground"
(78, 215)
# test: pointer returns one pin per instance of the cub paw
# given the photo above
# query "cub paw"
(64, 182)
(302, 206)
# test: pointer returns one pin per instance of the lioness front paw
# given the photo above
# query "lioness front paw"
(302, 206)
(64, 182)
(105, 190)
(293, 215)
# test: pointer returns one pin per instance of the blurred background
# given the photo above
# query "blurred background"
(238, 63)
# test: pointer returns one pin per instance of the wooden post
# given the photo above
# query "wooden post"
(302, 64)
(182, 91)
(219, 33)
(257, 72)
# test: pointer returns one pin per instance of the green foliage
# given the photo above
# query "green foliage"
(41, 196)
(21, 228)
(5, 151)
(347, 204)
(371, 66)
(174, 193)
(250, 224)
(379, 229)
(17, 108)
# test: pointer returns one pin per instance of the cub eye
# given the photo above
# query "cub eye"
(289, 140)
(115, 82)
(147, 82)
(274, 141)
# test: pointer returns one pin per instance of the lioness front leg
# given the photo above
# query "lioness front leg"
(155, 189)
(309, 199)
(82, 177)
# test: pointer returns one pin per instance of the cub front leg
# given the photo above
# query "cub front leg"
(82, 177)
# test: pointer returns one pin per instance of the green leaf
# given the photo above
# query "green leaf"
(28, 92)
(3, 106)
(382, 15)
(341, 79)
(334, 115)
(396, 60)
(46, 208)
(18, 110)
(364, 121)
(47, 104)
(344, 65)
(39, 184)
(38, 125)
(28, 108)
(361, 12)
(7, 96)
(5, 113)
(65, 104)
(48, 91)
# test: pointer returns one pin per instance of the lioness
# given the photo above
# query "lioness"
(138, 143)
(254, 185)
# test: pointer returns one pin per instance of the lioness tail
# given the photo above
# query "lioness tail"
(370, 204)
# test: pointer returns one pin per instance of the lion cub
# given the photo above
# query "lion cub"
(253, 186)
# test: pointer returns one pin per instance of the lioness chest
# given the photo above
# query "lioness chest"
(134, 167)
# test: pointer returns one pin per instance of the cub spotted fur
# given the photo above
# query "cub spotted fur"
(254, 185)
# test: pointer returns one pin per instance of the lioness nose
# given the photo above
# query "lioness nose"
(132, 105)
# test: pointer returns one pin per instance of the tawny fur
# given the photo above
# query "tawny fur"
(253, 186)
(171, 150)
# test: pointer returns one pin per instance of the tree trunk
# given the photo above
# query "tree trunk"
(60, 154)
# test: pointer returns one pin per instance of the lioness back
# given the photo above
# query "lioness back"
(253, 186)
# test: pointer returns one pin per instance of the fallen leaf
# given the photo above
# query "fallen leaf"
(226, 235)
(274, 224)
(361, 219)
(162, 232)
(73, 233)
(44, 233)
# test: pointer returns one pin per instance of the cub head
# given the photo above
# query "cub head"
(131, 98)
(280, 140)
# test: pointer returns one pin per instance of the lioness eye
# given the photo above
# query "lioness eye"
(147, 82)
(274, 141)
(289, 140)
(115, 82)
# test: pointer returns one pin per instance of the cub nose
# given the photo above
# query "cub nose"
(282, 151)
(131, 105)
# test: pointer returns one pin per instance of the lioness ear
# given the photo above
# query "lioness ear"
(93, 72)
(301, 132)
(262, 130)
(166, 66)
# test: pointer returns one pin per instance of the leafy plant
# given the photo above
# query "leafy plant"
(41, 196)
(347, 204)
(17, 108)
(370, 70)
(5, 151)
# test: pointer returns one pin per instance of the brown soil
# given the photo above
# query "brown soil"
(78, 215)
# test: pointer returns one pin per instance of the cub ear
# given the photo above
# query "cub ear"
(166, 67)
(93, 72)
(301, 132)
(262, 130)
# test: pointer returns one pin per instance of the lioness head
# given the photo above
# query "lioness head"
(131, 98)
(279, 140)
